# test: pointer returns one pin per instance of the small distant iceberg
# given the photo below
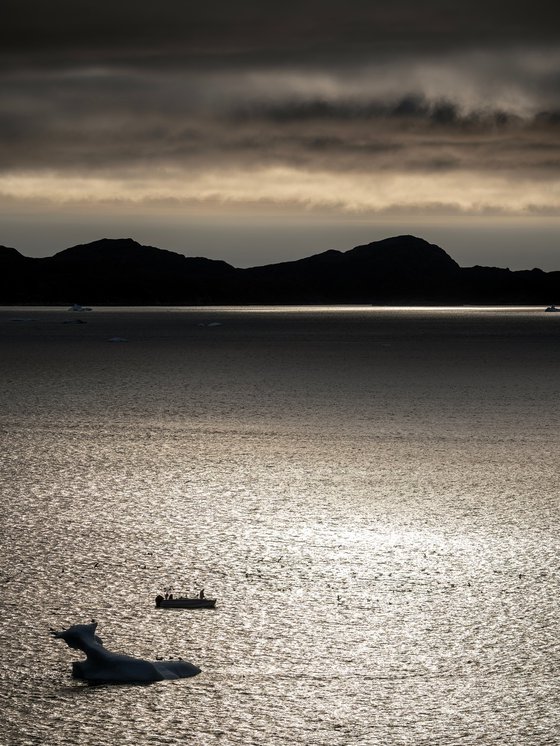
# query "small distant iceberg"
(117, 339)
(552, 309)
(77, 307)
(101, 666)
(212, 323)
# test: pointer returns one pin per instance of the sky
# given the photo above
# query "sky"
(256, 132)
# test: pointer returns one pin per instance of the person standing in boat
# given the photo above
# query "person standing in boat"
(201, 594)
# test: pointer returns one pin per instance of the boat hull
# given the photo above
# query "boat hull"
(186, 603)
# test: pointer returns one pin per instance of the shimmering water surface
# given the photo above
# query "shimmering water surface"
(371, 494)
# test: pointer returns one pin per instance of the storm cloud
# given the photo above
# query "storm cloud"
(371, 107)
(253, 32)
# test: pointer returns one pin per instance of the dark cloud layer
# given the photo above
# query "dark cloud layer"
(372, 89)
(109, 121)
(304, 27)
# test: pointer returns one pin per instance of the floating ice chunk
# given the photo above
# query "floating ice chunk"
(103, 667)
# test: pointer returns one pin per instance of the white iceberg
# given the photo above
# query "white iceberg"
(101, 666)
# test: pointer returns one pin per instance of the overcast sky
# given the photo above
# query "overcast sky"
(251, 134)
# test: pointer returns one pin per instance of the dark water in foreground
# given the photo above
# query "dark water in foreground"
(371, 495)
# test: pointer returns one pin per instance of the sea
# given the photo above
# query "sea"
(371, 495)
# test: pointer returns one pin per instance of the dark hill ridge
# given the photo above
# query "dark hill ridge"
(393, 270)
(112, 254)
(11, 257)
(397, 270)
(122, 271)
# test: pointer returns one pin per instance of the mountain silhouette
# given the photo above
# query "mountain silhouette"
(391, 270)
(398, 270)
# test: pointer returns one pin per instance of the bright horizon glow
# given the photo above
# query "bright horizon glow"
(435, 194)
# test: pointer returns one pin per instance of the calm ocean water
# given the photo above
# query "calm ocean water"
(371, 494)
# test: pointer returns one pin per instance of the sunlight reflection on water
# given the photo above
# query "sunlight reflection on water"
(373, 505)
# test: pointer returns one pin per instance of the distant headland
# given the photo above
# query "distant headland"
(402, 270)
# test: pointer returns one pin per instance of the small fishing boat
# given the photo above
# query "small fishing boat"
(185, 603)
